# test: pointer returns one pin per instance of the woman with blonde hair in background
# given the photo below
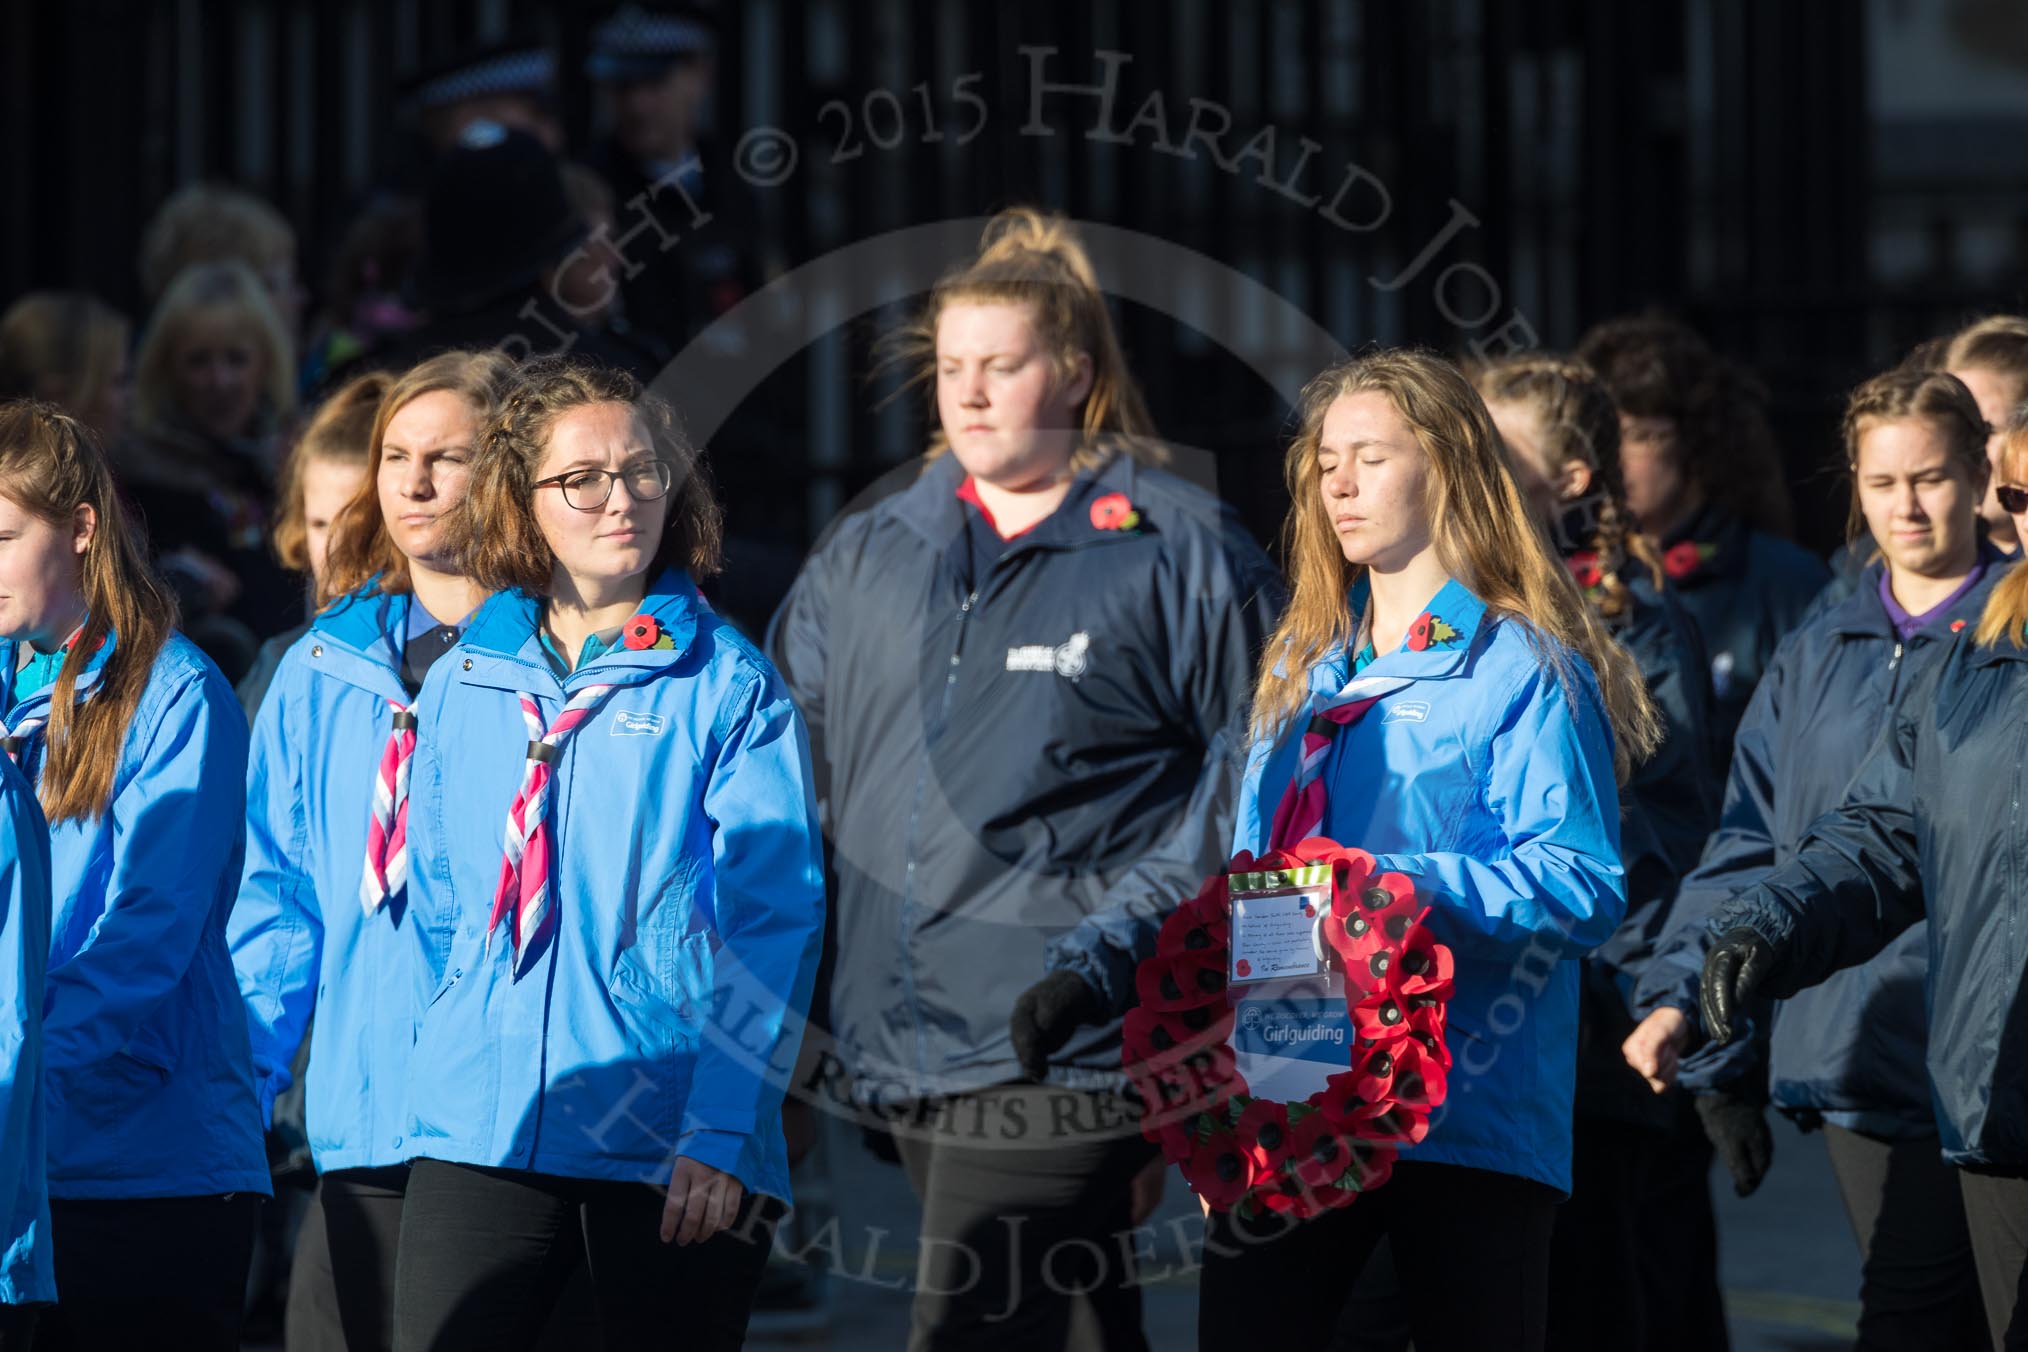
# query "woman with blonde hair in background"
(70, 349)
(215, 392)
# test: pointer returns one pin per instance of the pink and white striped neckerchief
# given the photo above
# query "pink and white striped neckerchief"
(1301, 812)
(524, 887)
(386, 871)
(14, 737)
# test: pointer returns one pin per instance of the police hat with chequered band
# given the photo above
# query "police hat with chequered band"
(488, 72)
(636, 44)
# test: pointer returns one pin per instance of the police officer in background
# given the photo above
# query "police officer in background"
(686, 222)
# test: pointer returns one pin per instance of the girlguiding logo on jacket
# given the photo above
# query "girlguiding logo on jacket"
(1068, 659)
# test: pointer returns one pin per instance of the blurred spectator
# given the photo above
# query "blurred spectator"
(70, 349)
(510, 84)
(1704, 477)
(218, 223)
(325, 469)
(655, 74)
(363, 307)
(215, 388)
(499, 232)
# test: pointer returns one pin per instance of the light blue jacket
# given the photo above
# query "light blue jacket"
(1488, 781)
(144, 1034)
(661, 1014)
(27, 1271)
(300, 939)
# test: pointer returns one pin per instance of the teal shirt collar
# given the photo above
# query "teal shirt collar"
(36, 678)
(1435, 646)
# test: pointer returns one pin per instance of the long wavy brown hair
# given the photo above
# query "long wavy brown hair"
(50, 465)
(1033, 258)
(1484, 539)
(361, 549)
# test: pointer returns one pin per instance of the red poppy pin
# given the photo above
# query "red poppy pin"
(1584, 568)
(1114, 512)
(1428, 629)
(644, 632)
(1685, 557)
(1957, 626)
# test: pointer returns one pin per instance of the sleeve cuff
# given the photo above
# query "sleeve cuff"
(718, 1149)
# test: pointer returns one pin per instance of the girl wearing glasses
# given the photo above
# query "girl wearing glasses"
(323, 924)
(619, 989)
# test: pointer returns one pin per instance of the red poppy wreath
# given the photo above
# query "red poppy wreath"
(1243, 1153)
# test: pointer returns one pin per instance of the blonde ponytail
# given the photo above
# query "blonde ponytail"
(1028, 257)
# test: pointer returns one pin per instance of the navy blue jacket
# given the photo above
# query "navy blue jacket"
(1747, 590)
(1850, 1050)
(1019, 768)
(1932, 824)
(1667, 809)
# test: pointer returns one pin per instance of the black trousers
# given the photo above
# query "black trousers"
(1026, 1220)
(149, 1272)
(1682, 1303)
(1471, 1249)
(1919, 1287)
(1596, 1298)
(341, 1289)
(486, 1258)
(17, 1326)
(1996, 1214)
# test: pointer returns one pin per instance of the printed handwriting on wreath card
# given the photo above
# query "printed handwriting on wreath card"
(1273, 933)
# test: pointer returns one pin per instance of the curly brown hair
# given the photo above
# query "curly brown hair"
(493, 530)
(1658, 367)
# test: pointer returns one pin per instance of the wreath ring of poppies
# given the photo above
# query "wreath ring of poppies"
(1246, 1154)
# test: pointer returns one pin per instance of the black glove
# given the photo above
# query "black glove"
(1045, 1016)
(1738, 1131)
(1737, 965)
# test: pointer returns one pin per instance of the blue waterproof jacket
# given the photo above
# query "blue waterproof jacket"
(1932, 825)
(1850, 1050)
(1024, 769)
(144, 1033)
(661, 1014)
(301, 940)
(1488, 781)
(1747, 590)
(27, 1268)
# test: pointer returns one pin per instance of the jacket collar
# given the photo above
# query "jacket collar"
(1861, 615)
(1436, 647)
(504, 637)
(86, 682)
(930, 506)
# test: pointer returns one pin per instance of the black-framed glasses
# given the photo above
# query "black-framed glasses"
(588, 489)
(2013, 499)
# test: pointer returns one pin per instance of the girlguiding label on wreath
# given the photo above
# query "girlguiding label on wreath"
(1290, 1030)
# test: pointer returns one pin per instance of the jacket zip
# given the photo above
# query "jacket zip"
(907, 913)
